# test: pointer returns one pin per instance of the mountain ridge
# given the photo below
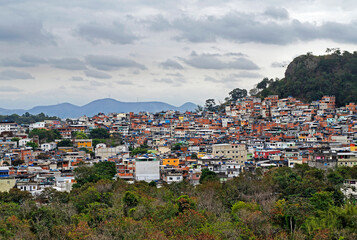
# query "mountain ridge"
(105, 105)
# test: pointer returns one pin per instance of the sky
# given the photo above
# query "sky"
(157, 50)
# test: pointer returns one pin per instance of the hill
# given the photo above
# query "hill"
(310, 77)
(107, 105)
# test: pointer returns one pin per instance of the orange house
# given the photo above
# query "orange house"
(171, 162)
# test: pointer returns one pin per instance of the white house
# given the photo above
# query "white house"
(48, 146)
(147, 169)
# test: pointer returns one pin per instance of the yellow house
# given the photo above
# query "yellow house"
(353, 148)
(84, 143)
(6, 184)
(171, 162)
(201, 154)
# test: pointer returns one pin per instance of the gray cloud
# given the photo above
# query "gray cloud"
(279, 64)
(23, 61)
(243, 28)
(124, 82)
(174, 74)
(211, 79)
(158, 23)
(212, 61)
(7, 62)
(164, 80)
(76, 79)
(32, 59)
(175, 81)
(108, 63)
(246, 74)
(68, 63)
(171, 64)
(238, 54)
(277, 13)
(24, 30)
(97, 74)
(96, 84)
(13, 74)
(233, 77)
(9, 89)
(116, 33)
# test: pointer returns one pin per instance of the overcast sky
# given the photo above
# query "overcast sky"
(155, 50)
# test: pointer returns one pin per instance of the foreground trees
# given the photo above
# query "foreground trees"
(283, 203)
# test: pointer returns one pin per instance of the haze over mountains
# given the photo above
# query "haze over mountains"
(106, 105)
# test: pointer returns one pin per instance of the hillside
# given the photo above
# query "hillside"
(310, 77)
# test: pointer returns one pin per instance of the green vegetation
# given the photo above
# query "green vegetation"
(310, 77)
(208, 175)
(26, 118)
(88, 174)
(143, 149)
(65, 143)
(32, 144)
(283, 203)
(45, 135)
(99, 133)
(79, 135)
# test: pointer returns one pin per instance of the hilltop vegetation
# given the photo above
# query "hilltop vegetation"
(26, 118)
(284, 203)
(310, 77)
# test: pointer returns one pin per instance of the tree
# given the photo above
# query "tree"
(263, 84)
(65, 143)
(87, 174)
(199, 108)
(130, 201)
(208, 175)
(237, 93)
(32, 144)
(253, 91)
(143, 149)
(99, 133)
(45, 135)
(80, 135)
(210, 105)
(184, 203)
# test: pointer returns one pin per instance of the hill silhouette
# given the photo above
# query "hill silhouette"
(310, 77)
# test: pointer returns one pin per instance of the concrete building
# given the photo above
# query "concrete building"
(8, 127)
(104, 152)
(236, 152)
(147, 169)
(48, 146)
(6, 183)
(36, 125)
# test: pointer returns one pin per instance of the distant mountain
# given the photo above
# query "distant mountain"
(310, 77)
(106, 105)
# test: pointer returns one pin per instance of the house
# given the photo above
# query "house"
(147, 169)
(48, 146)
(83, 143)
(349, 188)
(8, 126)
(236, 152)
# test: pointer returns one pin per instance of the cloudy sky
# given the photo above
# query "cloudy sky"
(157, 50)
